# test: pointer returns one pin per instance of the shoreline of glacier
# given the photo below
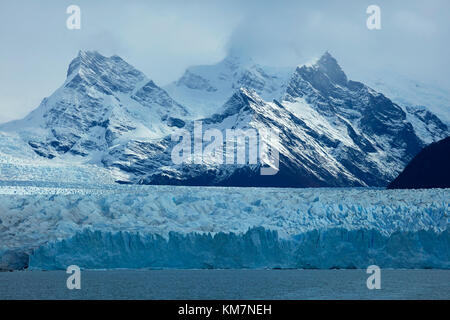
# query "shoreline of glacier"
(33, 216)
(258, 248)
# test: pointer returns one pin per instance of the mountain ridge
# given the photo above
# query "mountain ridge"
(333, 131)
(428, 169)
(102, 100)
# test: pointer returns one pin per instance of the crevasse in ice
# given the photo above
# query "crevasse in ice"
(187, 227)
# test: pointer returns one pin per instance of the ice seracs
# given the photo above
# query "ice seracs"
(189, 227)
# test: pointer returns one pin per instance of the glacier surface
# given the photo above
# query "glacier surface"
(219, 227)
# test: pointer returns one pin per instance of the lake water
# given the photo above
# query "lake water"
(226, 284)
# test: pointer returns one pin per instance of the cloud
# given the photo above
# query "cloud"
(162, 38)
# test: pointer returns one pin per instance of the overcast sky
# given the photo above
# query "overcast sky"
(162, 38)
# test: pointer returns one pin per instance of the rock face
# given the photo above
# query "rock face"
(104, 103)
(365, 131)
(302, 160)
(429, 169)
(206, 88)
(333, 132)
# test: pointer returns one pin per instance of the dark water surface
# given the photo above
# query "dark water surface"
(226, 284)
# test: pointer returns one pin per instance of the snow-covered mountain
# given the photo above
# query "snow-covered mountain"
(206, 88)
(412, 93)
(303, 160)
(364, 130)
(332, 131)
(104, 103)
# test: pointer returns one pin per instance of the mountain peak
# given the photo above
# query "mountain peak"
(84, 59)
(94, 61)
(248, 94)
(329, 66)
(88, 53)
(109, 73)
(237, 58)
(323, 74)
(242, 99)
(326, 55)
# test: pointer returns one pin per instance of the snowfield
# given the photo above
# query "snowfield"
(126, 226)
(19, 163)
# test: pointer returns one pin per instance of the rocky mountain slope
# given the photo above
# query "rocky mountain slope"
(206, 88)
(428, 169)
(332, 131)
(104, 103)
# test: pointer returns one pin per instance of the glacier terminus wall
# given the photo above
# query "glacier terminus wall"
(97, 227)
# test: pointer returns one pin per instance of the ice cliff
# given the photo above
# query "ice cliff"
(257, 248)
(198, 227)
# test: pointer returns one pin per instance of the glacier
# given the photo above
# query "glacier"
(49, 226)
(256, 248)
(18, 162)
